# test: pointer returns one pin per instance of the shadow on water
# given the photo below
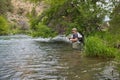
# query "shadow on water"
(24, 58)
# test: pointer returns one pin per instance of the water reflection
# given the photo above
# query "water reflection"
(24, 58)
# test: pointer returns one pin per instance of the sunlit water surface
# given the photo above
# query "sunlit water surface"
(25, 58)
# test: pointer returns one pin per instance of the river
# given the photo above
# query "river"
(25, 58)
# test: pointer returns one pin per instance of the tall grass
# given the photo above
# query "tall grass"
(95, 47)
(111, 39)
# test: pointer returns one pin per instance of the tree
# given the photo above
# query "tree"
(86, 15)
(115, 20)
(62, 15)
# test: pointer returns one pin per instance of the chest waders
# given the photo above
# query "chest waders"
(76, 45)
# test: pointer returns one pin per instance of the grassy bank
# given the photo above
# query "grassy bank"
(102, 45)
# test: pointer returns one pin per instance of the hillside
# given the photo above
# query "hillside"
(21, 9)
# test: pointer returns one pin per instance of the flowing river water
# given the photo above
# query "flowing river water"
(25, 58)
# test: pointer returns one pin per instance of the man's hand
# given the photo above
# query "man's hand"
(74, 40)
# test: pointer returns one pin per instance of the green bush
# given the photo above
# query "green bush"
(95, 47)
(4, 29)
(112, 40)
(43, 31)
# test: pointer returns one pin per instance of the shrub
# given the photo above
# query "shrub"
(112, 40)
(4, 29)
(43, 31)
(95, 47)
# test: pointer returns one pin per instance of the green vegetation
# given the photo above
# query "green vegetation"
(17, 30)
(5, 6)
(34, 1)
(115, 26)
(66, 14)
(38, 29)
(96, 47)
(114, 37)
(43, 31)
(38, 21)
(4, 29)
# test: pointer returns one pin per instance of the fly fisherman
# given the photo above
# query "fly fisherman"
(76, 39)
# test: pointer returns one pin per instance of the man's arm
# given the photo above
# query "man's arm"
(74, 40)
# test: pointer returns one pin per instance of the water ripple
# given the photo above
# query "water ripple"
(25, 58)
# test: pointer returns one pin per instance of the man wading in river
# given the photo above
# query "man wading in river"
(76, 39)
